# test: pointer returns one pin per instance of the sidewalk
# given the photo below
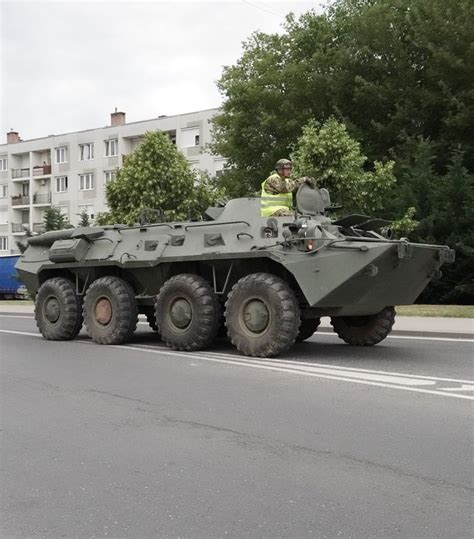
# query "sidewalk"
(403, 324)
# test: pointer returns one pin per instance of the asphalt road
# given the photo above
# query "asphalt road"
(329, 441)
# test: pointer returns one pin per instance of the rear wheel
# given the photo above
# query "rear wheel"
(151, 319)
(58, 310)
(262, 315)
(187, 313)
(110, 311)
(307, 328)
(364, 330)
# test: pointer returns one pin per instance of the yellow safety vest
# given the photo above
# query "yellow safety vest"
(272, 203)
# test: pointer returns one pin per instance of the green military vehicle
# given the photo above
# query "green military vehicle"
(266, 282)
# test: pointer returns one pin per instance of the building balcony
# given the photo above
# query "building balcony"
(20, 173)
(38, 227)
(19, 228)
(41, 198)
(19, 200)
(43, 170)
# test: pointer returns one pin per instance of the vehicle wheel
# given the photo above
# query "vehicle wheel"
(58, 310)
(262, 315)
(150, 317)
(364, 330)
(307, 328)
(110, 311)
(187, 312)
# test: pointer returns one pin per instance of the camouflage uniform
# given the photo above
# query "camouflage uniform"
(276, 184)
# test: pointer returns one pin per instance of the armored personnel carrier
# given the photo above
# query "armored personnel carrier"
(264, 281)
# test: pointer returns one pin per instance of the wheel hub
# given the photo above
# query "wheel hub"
(256, 316)
(103, 311)
(181, 313)
(52, 310)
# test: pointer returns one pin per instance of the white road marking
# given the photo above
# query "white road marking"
(404, 382)
(284, 362)
(17, 316)
(20, 333)
(265, 366)
(464, 387)
(325, 333)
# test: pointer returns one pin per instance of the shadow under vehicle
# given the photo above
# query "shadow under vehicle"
(264, 281)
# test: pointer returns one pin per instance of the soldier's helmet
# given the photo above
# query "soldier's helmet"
(283, 163)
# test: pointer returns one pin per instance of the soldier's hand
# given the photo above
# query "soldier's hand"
(309, 181)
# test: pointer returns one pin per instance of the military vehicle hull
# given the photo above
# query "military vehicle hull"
(261, 277)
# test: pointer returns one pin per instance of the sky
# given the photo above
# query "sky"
(66, 65)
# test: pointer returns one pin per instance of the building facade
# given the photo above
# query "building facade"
(70, 171)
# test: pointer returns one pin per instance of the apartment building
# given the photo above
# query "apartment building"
(70, 171)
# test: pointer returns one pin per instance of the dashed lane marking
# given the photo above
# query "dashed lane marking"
(399, 381)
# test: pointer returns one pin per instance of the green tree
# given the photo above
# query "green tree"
(392, 71)
(398, 75)
(329, 154)
(54, 219)
(157, 175)
(83, 219)
(453, 224)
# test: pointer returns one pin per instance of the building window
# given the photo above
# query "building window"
(86, 151)
(89, 208)
(111, 147)
(109, 175)
(3, 163)
(61, 155)
(189, 137)
(3, 191)
(3, 243)
(3, 217)
(61, 184)
(86, 182)
(219, 166)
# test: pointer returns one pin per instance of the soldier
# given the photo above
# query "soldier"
(277, 189)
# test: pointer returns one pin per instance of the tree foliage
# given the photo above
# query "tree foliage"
(157, 176)
(83, 219)
(392, 71)
(329, 154)
(53, 219)
(398, 74)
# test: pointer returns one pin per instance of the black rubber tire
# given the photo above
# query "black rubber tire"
(307, 328)
(150, 318)
(281, 306)
(69, 305)
(204, 310)
(124, 311)
(364, 330)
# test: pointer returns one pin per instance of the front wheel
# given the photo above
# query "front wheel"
(58, 310)
(364, 330)
(262, 315)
